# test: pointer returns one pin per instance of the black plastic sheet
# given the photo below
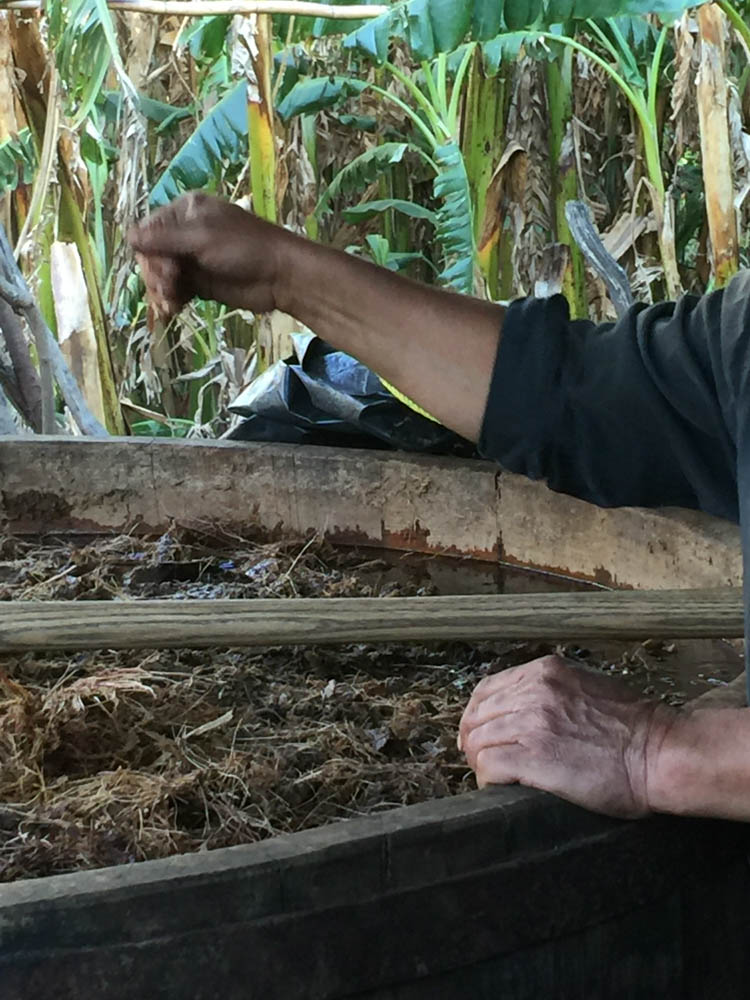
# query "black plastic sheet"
(324, 396)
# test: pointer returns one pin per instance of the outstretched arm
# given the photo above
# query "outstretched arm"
(436, 347)
(640, 412)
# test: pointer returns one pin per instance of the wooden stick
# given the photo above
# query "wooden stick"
(15, 291)
(56, 625)
(200, 8)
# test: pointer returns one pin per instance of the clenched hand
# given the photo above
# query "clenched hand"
(202, 246)
(568, 730)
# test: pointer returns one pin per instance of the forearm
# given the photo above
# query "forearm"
(700, 765)
(436, 347)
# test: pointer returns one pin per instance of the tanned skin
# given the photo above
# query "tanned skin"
(546, 724)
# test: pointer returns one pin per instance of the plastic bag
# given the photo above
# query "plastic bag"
(324, 396)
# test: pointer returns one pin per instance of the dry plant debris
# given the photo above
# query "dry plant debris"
(115, 757)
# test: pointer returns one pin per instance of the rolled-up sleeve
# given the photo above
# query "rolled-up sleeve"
(647, 411)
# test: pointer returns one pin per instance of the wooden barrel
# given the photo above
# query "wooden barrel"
(505, 893)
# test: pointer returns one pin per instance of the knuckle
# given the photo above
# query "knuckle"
(484, 685)
(549, 669)
(472, 741)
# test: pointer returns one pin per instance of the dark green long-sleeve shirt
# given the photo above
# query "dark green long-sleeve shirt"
(653, 410)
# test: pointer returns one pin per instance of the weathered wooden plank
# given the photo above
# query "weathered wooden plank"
(58, 625)
(615, 881)
(397, 501)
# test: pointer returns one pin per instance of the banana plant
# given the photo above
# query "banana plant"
(565, 174)
(641, 92)
(429, 27)
(434, 116)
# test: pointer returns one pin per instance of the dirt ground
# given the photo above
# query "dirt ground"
(114, 757)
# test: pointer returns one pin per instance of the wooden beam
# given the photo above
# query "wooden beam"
(58, 625)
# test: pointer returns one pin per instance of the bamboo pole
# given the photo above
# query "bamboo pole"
(204, 8)
(58, 625)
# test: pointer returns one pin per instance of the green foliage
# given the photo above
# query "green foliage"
(486, 21)
(450, 22)
(97, 154)
(322, 26)
(429, 205)
(206, 37)
(220, 137)
(369, 209)
(455, 219)
(310, 96)
(690, 203)
(373, 36)
(504, 48)
(362, 170)
(174, 427)
(18, 161)
(83, 36)
(160, 114)
(432, 26)
(380, 251)
(366, 123)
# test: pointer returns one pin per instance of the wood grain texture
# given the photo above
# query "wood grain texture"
(502, 893)
(441, 506)
(48, 625)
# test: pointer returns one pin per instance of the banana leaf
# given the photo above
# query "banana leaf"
(164, 115)
(455, 228)
(368, 209)
(431, 26)
(83, 35)
(362, 170)
(220, 137)
(373, 36)
(310, 96)
(18, 161)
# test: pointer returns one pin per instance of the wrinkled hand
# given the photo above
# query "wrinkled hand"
(202, 246)
(565, 729)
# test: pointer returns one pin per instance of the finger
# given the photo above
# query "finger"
(170, 231)
(484, 711)
(506, 685)
(500, 731)
(164, 285)
(498, 766)
(511, 678)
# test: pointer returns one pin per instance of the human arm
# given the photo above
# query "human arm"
(590, 739)
(701, 765)
(436, 347)
(639, 412)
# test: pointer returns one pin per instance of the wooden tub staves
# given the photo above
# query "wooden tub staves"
(506, 893)
(499, 894)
